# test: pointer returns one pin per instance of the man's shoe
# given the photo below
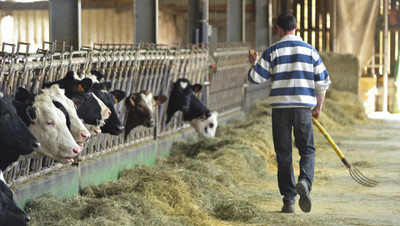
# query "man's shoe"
(305, 199)
(288, 208)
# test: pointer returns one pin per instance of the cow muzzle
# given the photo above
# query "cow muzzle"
(150, 123)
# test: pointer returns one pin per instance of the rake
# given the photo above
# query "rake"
(354, 172)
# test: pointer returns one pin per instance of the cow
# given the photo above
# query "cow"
(141, 109)
(15, 137)
(182, 98)
(113, 125)
(90, 108)
(10, 213)
(51, 129)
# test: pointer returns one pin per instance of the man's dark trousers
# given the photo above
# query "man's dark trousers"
(284, 121)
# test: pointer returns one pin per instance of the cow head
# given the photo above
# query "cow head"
(50, 128)
(141, 107)
(181, 96)
(113, 125)
(10, 213)
(77, 128)
(15, 137)
(207, 126)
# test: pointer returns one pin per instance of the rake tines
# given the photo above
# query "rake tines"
(354, 172)
(360, 178)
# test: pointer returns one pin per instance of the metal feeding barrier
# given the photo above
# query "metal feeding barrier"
(130, 68)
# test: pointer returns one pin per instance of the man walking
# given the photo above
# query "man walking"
(297, 81)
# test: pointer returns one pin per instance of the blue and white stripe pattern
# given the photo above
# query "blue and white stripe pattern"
(294, 72)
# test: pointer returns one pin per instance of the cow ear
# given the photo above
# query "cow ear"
(160, 99)
(30, 111)
(70, 75)
(84, 85)
(107, 86)
(23, 96)
(196, 88)
(119, 95)
(98, 74)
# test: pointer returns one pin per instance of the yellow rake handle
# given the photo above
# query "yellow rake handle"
(326, 135)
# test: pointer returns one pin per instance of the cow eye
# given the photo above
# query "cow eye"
(49, 123)
(211, 125)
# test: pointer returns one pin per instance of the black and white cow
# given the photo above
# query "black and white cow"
(113, 125)
(182, 98)
(15, 137)
(10, 213)
(141, 109)
(51, 127)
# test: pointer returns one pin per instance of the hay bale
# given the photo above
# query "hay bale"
(344, 71)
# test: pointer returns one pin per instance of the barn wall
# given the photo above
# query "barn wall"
(107, 25)
(172, 27)
(30, 26)
(99, 25)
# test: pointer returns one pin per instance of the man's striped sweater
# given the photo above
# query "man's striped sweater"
(293, 71)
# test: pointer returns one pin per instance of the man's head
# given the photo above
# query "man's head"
(287, 22)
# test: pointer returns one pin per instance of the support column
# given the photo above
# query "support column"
(385, 57)
(263, 24)
(198, 21)
(235, 21)
(65, 22)
(145, 20)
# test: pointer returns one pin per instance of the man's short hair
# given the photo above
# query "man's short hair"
(286, 21)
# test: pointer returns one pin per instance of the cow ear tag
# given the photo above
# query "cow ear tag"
(196, 88)
(115, 100)
(132, 101)
(160, 99)
(27, 101)
(80, 89)
(76, 107)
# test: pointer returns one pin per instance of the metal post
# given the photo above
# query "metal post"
(198, 21)
(385, 60)
(145, 20)
(203, 21)
(65, 22)
(235, 24)
(263, 24)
